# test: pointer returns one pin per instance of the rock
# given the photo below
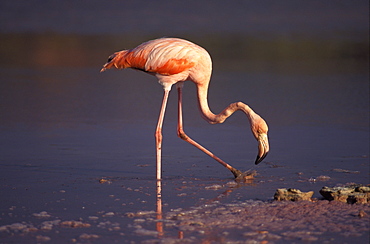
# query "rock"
(109, 214)
(105, 181)
(40, 238)
(18, 228)
(42, 214)
(48, 225)
(74, 224)
(346, 171)
(290, 194)
(89, 236)
(213, 187)
(93, 217)
(362, 214)
(323, 178)
(144, 232)
(349, 193)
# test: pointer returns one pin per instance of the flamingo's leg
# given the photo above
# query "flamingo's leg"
(158, 133)
(182, 135)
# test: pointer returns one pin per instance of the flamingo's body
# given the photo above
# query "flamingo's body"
(174, 61)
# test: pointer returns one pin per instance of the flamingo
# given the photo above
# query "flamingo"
(174, 61)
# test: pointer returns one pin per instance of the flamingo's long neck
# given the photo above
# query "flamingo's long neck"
(212, 118)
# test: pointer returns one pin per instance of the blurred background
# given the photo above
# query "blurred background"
(51, 53)
(286, 59)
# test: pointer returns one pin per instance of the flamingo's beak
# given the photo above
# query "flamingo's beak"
(263, 147)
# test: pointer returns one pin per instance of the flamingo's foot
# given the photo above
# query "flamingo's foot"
(247, 176)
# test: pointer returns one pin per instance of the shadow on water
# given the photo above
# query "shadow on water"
(80, 144)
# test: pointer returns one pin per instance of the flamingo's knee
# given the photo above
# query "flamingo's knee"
(158, 137)
(182, 135)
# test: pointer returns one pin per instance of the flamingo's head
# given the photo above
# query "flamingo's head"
(116, 60)
(259, 129)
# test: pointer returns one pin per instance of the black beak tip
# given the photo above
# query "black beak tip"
(259, 159)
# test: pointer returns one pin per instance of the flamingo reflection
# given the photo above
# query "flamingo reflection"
(159, 224)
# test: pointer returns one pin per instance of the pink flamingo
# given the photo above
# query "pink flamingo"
(173, 61)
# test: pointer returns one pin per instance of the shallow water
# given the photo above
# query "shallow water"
(77, 145)
(66, 129)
